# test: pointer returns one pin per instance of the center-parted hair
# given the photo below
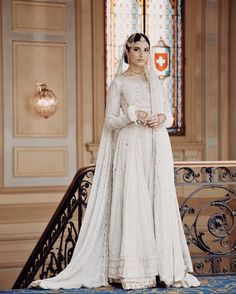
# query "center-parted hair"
(133, 39)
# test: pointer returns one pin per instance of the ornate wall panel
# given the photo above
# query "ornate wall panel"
(35, 62)
(38, 16)
(21, 225)
(187, 154)
(38, 47)
(40, 162)
(38, 156)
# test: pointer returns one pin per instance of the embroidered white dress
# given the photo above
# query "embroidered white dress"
(132, 231)
(132, 249)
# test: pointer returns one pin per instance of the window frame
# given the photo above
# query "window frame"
(178, 103)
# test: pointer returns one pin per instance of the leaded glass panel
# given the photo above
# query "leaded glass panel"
(157, 19)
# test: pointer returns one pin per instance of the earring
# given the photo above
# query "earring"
(128, 59)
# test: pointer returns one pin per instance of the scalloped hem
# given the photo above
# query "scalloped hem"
(189, 281)
(138, 284)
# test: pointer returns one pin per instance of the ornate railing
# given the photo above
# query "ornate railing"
(208, 215)
(55, 247)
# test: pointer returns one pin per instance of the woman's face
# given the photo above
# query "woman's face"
(138, 54)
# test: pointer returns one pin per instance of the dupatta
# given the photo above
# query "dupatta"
(89, 263)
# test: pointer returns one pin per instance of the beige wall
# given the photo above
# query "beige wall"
(206, 82)
(26, 203)
(38, 156)
(232, 80)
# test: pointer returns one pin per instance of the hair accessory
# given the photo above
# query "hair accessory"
(130, 41)
(142, 39)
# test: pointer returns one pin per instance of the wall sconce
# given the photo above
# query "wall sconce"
(44, 102)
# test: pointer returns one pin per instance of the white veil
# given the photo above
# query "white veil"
(89, 263)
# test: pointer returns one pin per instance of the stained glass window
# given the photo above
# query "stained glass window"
(158, 19)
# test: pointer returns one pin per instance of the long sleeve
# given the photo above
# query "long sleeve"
(114, 118)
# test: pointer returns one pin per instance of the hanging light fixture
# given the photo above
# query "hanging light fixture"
(45, 102)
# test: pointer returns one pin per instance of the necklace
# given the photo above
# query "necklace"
(135, 71)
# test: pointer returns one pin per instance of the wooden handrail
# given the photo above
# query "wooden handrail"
(216, 163)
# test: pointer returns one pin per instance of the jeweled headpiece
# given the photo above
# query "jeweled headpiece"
(130, 41)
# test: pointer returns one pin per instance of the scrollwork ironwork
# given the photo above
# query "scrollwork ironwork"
(212, 223)
(189, 175)
(55, 248)
(213, 265)
(207, 213)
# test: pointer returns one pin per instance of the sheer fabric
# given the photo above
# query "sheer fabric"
(132, 231)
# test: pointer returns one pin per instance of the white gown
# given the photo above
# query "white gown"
(132, 249)
(132, 231)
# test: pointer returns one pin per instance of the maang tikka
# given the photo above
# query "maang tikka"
(130, 41)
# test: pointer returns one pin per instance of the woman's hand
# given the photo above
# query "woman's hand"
(155, 120)
(142, 116)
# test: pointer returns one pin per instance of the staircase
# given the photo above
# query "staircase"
(208, 211)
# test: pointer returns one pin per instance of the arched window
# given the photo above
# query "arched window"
(158, 19)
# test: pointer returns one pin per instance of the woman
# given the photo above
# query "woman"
(132, 231)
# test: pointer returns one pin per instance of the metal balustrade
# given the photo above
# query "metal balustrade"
(207, 196)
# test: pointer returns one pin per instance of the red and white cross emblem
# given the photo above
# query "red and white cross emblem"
(161, 61)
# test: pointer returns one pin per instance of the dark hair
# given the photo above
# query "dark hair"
(135, 38)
